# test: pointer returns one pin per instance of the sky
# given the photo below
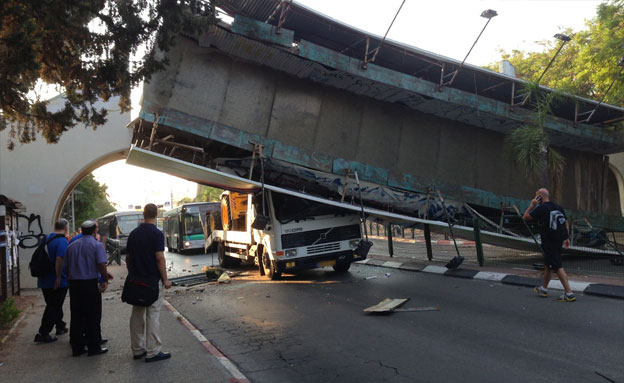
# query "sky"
(446, 28)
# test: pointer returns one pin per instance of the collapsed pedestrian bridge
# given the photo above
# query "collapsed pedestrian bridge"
(302, 91)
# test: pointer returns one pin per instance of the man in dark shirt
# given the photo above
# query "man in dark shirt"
(550, 217)
(145, 257)
(54, 285)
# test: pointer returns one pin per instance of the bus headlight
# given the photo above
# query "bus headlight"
(291, 253)
(187, 244)
(354, 243)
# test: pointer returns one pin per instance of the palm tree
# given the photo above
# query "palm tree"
(529, 145)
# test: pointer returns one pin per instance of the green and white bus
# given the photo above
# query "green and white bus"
(118, 225)
(182, 226)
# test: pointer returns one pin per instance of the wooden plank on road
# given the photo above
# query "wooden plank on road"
(387, 305)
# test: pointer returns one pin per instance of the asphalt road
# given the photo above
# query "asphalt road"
(311, 328)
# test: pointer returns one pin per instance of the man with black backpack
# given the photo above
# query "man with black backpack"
(53, 283)
(554, 229)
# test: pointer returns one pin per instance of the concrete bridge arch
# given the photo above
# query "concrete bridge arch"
(42, 175)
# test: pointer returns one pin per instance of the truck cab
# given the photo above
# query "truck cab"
(283, 233)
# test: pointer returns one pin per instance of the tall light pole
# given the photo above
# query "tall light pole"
(487, 14)
(75, 191)
(564, 39)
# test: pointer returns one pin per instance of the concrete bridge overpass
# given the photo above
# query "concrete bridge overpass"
(305, 96)
(299, 87)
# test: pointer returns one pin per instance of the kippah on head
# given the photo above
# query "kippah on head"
(87, 224)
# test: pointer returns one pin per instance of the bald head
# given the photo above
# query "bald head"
(544, 193)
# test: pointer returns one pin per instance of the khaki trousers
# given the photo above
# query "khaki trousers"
(145, 328)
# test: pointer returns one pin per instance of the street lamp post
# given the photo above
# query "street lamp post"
(75, 191)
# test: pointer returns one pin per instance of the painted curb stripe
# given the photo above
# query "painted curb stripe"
(461, 273)
(605, 290)
(435, 269)
(392, 264)
(506, 279)
(238, 376)
(489, 276)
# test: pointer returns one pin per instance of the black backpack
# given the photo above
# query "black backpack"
(40, 264)
(557, 229)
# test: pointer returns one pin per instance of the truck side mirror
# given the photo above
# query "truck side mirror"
(261, 222)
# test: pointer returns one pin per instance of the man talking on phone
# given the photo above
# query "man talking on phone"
(554, 231)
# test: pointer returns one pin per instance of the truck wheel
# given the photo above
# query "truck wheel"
(269, 267)
(342, 267)
(224, 260)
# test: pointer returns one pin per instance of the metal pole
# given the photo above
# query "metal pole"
(476, 224)
(73, 218)
(467, 54)
(551, 61)
(428, 242)
(389, 232)
(386, 35)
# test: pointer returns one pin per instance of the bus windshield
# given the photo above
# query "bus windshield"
(192, 224)
(127, 223)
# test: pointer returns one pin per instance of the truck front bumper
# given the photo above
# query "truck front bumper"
(316, 261)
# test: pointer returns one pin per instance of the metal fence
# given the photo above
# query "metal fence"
(410, 244)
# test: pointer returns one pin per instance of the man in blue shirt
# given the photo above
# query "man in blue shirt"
(99, 315)
(86, 261)
(54, 285)
(145, 257)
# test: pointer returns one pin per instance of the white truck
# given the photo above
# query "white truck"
(292, 234)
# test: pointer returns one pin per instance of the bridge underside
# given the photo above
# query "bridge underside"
(223, 92)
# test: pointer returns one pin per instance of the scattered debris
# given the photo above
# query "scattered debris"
(389, 305)
(388, 275)
(194, 265)
(224, 278)
(386, 305)
(371, 277)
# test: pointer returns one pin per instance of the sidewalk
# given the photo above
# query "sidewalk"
(25, 361)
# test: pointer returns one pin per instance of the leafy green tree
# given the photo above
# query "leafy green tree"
(185, 200)
(207, 194)
(588, 64)
(92, 203)
(86, 48)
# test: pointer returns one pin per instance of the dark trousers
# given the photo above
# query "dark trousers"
(86, 311)
(53, 313)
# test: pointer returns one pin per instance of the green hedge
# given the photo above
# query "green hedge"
(8, 311)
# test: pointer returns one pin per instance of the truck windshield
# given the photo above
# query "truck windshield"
(289, 208)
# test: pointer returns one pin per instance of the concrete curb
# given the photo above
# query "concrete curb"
(237, 376)
(598, 289)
